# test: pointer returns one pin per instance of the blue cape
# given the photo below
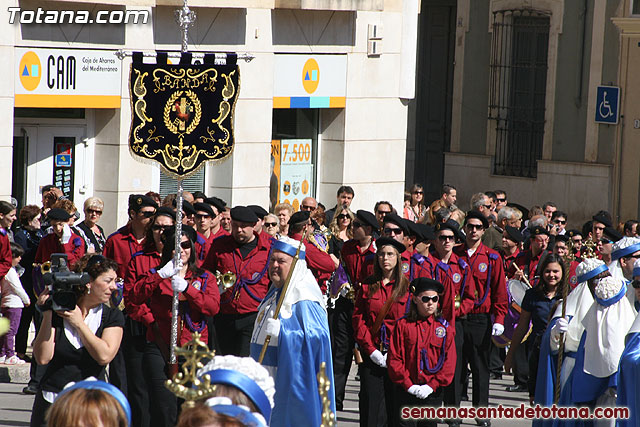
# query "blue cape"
(546, 379)
(629, 380)
(303, 344)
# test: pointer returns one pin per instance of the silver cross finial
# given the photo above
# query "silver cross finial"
(185, 18)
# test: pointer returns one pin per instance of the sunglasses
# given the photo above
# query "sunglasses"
(577, 241)
(343, 216)
(356, 224)
(185, 245)
(147, 214)
(93, 211)
(383, 213)
(426, 298)
(307, 208)
(487, 206)
(501, 200)
(636, 284)
(394, 231)
(270, 224)
(474, 226)
(157, 227)
(202, 216)
(418, 192)
(605, 241)
(560, 221)
(446, 237)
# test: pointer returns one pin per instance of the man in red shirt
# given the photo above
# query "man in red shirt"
(60, 241)
(396, 228)
(490, 302)
(527, 261)
(244, 253)
(421, 260)
(208, 227)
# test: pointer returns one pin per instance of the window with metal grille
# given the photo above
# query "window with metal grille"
(169, 185)
(517, 89)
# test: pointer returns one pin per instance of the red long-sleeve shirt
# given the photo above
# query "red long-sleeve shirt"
(50, 244)
(357, 262)
(201, 298)
(410, 340)
(5, 253)
(251, 273)
(528, 264)
(203, 244)
(421, 266)
(141, 263)
(491, 287)
(366, 311)
(319, 262)
(457, 280)
(121, 246)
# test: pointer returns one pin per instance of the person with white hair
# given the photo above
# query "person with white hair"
(595, 374)
(579, 302)
(624, 254)
(300, 340)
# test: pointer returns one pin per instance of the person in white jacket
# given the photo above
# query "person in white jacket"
(14, 299)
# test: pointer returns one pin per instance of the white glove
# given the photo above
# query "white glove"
(178, 284)
(168, 270)
(424, 391)
(561, 326)
(272, 327)
(497, 330)
(345, 290)
(378, 358)
(414, 390)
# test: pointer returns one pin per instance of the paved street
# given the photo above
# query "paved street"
(15, 407)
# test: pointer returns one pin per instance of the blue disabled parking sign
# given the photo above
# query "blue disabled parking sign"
(607, 103)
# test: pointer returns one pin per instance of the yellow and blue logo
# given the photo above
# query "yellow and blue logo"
(310, 75)
(30, 71)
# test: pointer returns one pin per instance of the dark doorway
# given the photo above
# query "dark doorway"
(19, 169)
(434, 87)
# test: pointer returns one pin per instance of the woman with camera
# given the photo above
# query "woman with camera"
(77, 343)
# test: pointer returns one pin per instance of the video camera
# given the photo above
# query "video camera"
(65, 285)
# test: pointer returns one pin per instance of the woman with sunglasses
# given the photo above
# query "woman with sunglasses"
(271, 225)
(536, 307)
(77, 343)
(416, 211)
(341, 229)
(93, 234)
(422, 354)
(381, 300)
(199, 297)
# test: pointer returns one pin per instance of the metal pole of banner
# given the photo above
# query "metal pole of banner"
(185, 19)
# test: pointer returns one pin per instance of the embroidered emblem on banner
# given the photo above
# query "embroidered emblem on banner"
(482, 267)
(405, 267)
(457, 277)
(183, 114)
(441, 332)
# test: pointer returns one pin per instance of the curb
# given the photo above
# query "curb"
(15, 373)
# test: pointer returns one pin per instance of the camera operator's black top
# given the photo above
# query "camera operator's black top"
(71, 364)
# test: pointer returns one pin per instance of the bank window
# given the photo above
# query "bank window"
(294, 150)
(518, 80)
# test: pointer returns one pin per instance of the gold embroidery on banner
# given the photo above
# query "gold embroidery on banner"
(140, 108)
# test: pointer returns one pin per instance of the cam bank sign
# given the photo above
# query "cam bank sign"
(67, 78)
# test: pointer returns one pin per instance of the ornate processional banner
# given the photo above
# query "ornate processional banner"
(182, 115)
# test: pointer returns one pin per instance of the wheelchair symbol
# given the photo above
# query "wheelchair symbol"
(605, 108)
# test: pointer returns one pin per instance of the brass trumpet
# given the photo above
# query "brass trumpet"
(45, 267)
(226, 280)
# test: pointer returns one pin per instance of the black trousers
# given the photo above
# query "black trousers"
(164, 404)
(477, 339)
(453, 392)
(234, 333)
(342, 344)
(406, 399)
(134, 342)
(521, 364)
(496, 358)
(39, 411)
(23, 329)
(377, 396)
(36, 372)
(534, 357)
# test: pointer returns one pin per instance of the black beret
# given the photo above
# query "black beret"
(138, 201)
(449, 225)
(574, 232)
(203, 207)
(422, 284)
(259, 211)
(602, 219)
(216, 203)
(562, 238)
(612, 234)
(414, 230)
(426, 232)
(299, 217)
(367, 218)
(395, 219)
(243, 214)
(537, 231)
(385, 241)
(477, 215)
(186, 207)
(166, 211)
(58, 214)
(169, 234)
(514, 234)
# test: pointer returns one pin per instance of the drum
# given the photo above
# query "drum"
(515, 291)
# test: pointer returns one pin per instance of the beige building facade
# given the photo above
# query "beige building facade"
(353, 126)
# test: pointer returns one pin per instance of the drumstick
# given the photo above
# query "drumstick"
(518, 269)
